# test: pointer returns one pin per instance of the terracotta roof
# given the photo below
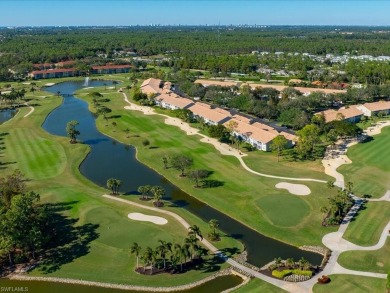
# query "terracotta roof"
(351, 111)
(242, 118)
(174, 100)
(305, 90)
(378, 106)
(54, 71)
(205, 111)
(111, 67)
(256, 131)
(208, 82)
(151, 86)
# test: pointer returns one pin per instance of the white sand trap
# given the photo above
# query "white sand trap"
(297, 189)
(146, 218)
(50, 84)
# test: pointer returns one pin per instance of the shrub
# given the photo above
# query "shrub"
(303, 272)
(323, 280)
(281, 274)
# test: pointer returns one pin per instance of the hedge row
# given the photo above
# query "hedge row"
(284, 273)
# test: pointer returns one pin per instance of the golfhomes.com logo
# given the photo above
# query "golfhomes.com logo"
(13, 289)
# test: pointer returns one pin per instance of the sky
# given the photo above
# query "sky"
(201, 12)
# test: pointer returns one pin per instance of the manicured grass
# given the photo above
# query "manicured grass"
(377, 261)
(239, 190)
(370, 166)
(51, 164)
(266, 162)
(257, 285)
(349, 283)
(276, 206)
(367, 227)
(43, 158)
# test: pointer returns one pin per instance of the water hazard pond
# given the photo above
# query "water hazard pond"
(111, 159)
(217, 285)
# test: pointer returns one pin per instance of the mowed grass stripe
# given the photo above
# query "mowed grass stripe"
(39, 158)
(366, 229)
(370, 166)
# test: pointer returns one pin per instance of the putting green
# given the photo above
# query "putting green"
(283, 210)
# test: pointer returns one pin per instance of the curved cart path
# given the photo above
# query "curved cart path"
(337, 156)
(32, 109)
(224, 149)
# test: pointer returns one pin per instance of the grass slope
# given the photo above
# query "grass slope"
(367, 227)
(348, 283)
(377, 261)
(240, 190)
(103, 233)
(370, 166)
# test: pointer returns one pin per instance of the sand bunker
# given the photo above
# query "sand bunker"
(297, 189)
(146, 218)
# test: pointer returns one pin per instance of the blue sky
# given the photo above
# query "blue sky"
(133, 12)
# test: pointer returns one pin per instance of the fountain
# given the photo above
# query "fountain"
(86, 82)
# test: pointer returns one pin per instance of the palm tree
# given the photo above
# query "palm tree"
(111, 184)
(143, 189)
(182, 252)
(192, 243)
(135, 249)
(163, 249)
(115, 83)
(147, 256)
(118, 183)
(290, 262)
(158, 192)
(214, 224)
(195, 230)
(278, 261)
(303, 263)
(349, 187)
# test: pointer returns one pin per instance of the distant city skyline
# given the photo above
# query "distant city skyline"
(128, 12)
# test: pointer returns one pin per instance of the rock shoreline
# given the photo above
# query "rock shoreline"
(225, 272)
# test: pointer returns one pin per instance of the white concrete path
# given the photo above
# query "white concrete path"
(332, 240)
(337, 156)
(223, 148)
(205, 242)
(32, 109)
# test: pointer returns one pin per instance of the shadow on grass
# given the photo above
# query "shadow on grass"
(67, 241)
(230, 251)
(212, 183)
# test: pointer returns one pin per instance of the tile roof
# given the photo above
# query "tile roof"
(378, 106)
(174, 100)
(208, 82)
(151, 86)
(53, 71)
(111, 67)
(204, 110)
(351, 111)
(304, 90)
(258, 131)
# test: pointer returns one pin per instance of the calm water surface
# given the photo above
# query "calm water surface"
(111, 159)
(214, 286)
(6, 115)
